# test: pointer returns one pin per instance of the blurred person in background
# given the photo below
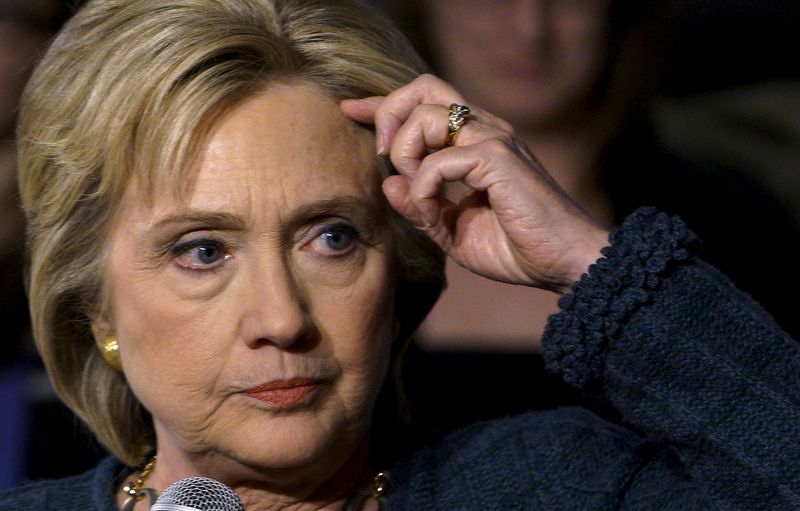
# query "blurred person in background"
(38, 437)
(575, 78)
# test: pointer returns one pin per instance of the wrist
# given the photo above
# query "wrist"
(641, 254)
(585, 251)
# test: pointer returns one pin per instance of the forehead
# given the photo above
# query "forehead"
(290, 144)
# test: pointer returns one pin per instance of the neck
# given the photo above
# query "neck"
(329, 495)
(259, 489)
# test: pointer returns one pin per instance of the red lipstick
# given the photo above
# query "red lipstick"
(283, 393)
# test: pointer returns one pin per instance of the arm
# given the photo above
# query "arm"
(689, 361)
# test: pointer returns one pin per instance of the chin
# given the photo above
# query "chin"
(291, 443)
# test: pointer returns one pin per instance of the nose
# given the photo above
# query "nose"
(274, 312)
(530, 20)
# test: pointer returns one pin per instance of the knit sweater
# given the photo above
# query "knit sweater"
(707, 385)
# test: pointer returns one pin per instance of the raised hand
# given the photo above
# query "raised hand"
(485, 200)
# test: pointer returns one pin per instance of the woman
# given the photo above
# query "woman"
(219, 284)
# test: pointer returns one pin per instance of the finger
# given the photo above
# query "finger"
(425, 89)
(361, 110)
(426, 130)
(472, 165)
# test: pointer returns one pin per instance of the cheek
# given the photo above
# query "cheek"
(168, 343)
(357, 322)
(583, 43)
(459, 39)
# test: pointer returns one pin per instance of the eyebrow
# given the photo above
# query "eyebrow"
(365, 210)
(217, 219)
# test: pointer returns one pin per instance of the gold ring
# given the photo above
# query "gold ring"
(455, 120)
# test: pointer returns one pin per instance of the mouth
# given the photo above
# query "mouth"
(284, 393)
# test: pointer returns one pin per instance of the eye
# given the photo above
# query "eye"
(200, 254)
(337, 240)
(334, 240)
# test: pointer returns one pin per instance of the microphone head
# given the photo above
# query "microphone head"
(198, 494)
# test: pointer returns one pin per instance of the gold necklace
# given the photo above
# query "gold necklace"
(380, 484)
(135, 489)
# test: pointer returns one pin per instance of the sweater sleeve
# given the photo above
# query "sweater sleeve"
(689, 361)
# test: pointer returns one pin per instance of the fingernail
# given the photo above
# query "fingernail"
(380, 142)
(428, 219)
(422, 225)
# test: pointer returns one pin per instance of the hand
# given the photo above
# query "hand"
(486, 200)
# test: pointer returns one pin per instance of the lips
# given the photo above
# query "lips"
(284, 393)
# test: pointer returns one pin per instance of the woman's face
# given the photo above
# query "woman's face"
(528, 61)
(254, 319)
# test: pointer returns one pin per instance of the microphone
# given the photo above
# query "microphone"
(198, 494)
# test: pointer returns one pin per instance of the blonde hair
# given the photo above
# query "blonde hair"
(128, 89)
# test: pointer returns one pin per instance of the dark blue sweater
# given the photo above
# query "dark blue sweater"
(707, 385)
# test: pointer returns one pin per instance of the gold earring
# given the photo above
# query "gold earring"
(110, 352)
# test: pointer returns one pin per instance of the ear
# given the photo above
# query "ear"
(101, 328)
